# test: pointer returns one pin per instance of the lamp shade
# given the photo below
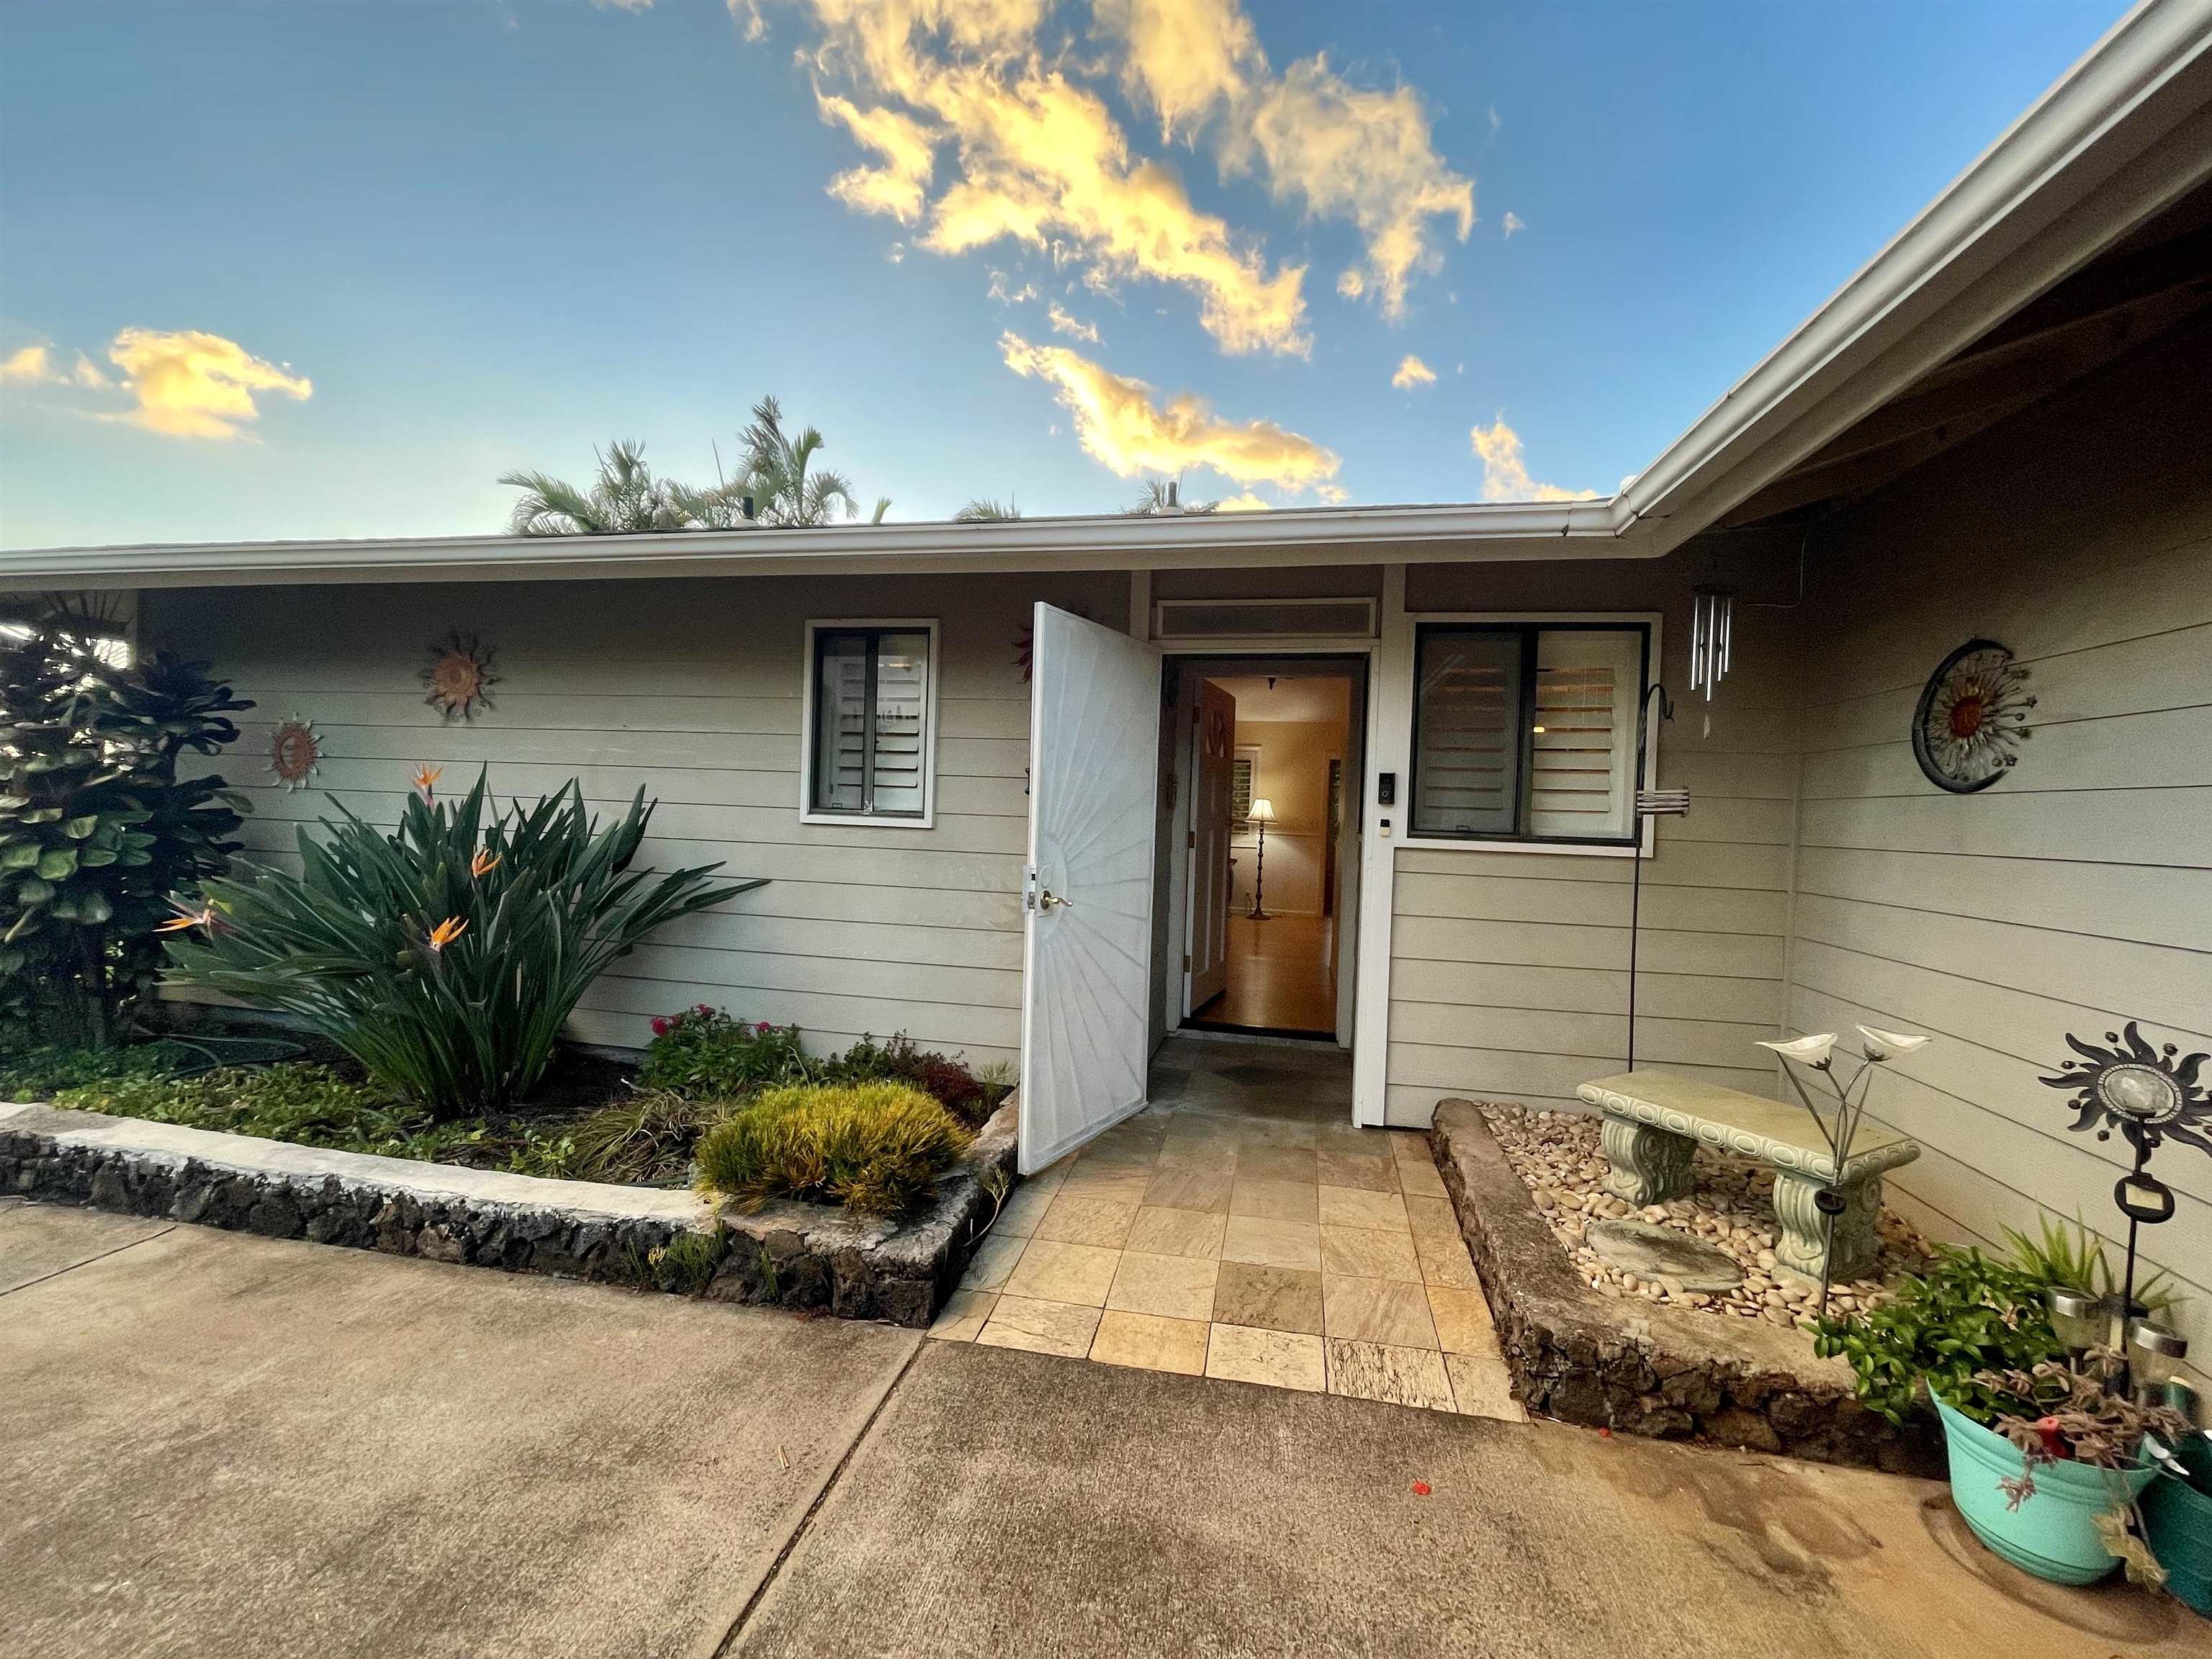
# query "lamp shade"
(1263, 810)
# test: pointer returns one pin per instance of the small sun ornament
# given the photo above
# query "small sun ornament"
(1971, 717)
(459, 677)
(296, 751)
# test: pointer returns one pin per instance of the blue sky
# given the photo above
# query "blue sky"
(327, 269)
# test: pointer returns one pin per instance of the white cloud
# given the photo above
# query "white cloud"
(1244, 502)
(1413, 371)
(1183, 57)
(191, 384)
(1125, 428)
(30, 363)
(1511, 222)
(1505, 471)
(1073, 327)
(1009, 296)
(900, 184)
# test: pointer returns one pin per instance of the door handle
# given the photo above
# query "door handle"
(1047, 898)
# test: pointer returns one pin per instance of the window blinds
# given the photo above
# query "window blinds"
(1468, 753)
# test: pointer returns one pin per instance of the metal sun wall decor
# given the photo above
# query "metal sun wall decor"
(296, 751)
(2151, 1095)
(1971, 717)
(459, 677)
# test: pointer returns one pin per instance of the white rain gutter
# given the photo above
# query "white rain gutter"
(2126, 132)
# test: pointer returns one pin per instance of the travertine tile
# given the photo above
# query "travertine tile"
(1176, 1232)
(1188, 1187)
(963, 1315)
(1018, 1216)
(1150, 1342)
(1408, 1145)
(1353, 1206)
(1268, 1298)
(1404, 1376)
(993, 1260)
(1273, 1132)
(1117, 1183)
(1431, 1218)
(1481, 1387)
(1369, 1253)
(1076, 1218)
(1463, 1318)
(1282, 1359)
(1040, 1327)
(1419, 1179)
(1051, 1271)
(1386, 1310)
(1278, 1164)
(1271, 1243)
(1445, 1261)
(1170, 1287)
(1277, 1200)
(1370, 1172)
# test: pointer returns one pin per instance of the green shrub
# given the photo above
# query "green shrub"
(644, 1136)
(874, 1147)
(946, 1081)
(40, 1072)
(687, 1263)
(298, 1102)
(1967, 1314)
(446, 957)
(704, 1052)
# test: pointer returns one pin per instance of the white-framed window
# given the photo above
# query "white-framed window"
(870, 724)
(1243, 785)
(1526, 731)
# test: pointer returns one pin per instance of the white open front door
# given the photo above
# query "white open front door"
(1087, 894)
(1214, 771)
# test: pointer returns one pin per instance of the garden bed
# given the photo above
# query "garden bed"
(1647, 1366)
(783, 1253)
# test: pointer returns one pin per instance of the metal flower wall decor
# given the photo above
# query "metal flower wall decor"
(1971, 717)
(459, 677)
(296, 751)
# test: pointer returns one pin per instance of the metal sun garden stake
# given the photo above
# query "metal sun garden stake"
(1840, 1126)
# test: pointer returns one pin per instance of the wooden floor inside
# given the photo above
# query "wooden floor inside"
(1282, 976)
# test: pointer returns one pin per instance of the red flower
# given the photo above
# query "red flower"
(703, 1008)
(1420, 1489)
(661, 1025)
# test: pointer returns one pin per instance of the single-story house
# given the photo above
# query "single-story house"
(991, 773)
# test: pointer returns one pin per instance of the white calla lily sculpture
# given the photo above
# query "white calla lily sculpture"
(1882, 1045)
(1806, 1050)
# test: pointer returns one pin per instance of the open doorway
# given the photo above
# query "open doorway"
(1262, 843)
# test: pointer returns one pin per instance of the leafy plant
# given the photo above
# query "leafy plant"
(40, 1072)
(624, 499)
(686, 1264)
(703, 1052)
(445, 956)
(2073, 1257)
(96, 828)
(874, 1147)
(299, 1101)
(775, 472)
(1967, 1317)
(644, 1136)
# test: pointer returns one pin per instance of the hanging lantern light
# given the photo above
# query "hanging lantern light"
(1712, 628)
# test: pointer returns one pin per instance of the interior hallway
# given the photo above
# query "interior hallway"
(1241, 1227)
(1282, 976)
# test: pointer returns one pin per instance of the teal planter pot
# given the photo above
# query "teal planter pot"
(2177, 1519)
(2052, 1535)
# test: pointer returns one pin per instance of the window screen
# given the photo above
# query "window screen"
(871, 718)
(1526, 732)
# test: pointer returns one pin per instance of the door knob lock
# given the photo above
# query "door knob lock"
(1047, 899)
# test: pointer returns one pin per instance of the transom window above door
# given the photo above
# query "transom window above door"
(871, 715)
(1526, 731)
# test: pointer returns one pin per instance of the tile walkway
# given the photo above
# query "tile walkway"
(1240, 1227)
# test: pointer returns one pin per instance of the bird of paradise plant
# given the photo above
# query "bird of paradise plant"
(447, 955)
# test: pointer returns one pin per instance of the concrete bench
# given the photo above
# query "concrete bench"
(1653, 1120)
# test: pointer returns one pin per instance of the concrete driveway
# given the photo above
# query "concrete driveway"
(212, 1444)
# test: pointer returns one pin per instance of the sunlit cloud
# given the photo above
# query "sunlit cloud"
(1511, 222)
(190, 384)
(1184, 58)
(1246, 503)
(1123, 426)
(1506, 470)
(900, 186)
(1413, 371)
(1073, 327)
(28, 363)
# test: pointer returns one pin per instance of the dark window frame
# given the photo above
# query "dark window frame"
(1524, 793)
(819, 635)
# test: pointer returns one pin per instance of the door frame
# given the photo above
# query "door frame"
(1367, 654)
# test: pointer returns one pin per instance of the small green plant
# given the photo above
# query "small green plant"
(687, 1263)
(2074, 1257)
(644, 1136)
(874, 1147)
(40, 1072)
(705, 1053)
(446, 957)
(298, 1101)
(1965, 1316)
(946, 1081)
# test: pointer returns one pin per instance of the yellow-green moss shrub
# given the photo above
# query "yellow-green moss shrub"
(873, 1147)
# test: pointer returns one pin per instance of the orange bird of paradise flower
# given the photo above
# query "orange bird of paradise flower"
(484, 863)
(426, 779)
(446, 931)
(187, 918)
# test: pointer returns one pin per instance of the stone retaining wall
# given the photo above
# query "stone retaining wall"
(1637, 1367)
(795, 1256)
